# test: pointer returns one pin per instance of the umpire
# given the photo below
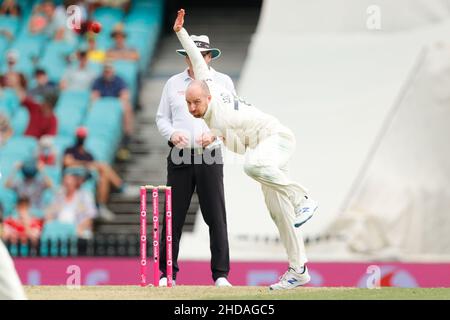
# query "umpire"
(185, 133)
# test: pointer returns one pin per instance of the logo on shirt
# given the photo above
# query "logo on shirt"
(181, 92)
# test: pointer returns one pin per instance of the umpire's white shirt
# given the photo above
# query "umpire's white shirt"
(173, 114)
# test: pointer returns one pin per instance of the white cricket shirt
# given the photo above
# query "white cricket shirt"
(173, 113)
(240, 124)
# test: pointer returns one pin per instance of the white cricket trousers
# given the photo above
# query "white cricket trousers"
(267, 163)
(10, 286)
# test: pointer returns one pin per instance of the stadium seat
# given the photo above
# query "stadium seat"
(28, 46)
(69, 119)
(69, 99)
(54, 233)
(8, 200)
(4, 44)
(9, 24)
(20, 121)
(108, 17)
(54, 173)
(9, 100)
(61, 143)
(19, 147)
(128, 71)
(100, 149)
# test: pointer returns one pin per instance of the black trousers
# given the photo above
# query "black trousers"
(208, 180)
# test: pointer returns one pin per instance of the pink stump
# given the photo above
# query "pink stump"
(143, 234)
(155, 237)
(169, 236)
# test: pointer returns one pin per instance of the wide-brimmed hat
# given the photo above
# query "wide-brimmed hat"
(202, 42)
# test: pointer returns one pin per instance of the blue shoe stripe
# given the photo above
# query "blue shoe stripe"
(300, 224)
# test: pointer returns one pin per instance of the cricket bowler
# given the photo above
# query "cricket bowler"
(267, 145)
(10, 286)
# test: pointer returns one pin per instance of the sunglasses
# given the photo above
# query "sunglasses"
(205, 53)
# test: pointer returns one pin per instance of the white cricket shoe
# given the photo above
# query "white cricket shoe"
(291, 279)
(304, 211)
(163, 282)
(223, 282)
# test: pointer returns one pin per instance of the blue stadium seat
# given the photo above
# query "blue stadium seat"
(29, 46)
(19, 148)
(54, 60)
(108, 17)
(61, 143)
(69, 99)
(54, 173)
(54, 232)
(128, 71)
(8, 200)
(10, 24)
(69, 119)
(4, 44)
(20, 121)
(100, 149)
(104, 41)
(9, 100)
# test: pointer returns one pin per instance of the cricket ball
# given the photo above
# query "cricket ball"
(95, 27)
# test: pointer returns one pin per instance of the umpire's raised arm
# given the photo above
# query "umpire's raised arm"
(201, 70)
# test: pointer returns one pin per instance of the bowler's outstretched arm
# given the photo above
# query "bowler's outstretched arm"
(201, 70)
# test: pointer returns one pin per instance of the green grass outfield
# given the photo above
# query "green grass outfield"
(246, 293)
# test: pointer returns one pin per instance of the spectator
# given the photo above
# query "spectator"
(10, 8)
(33, 184)
(120, 51)
(46, 152)
(56, 17)
(5, 129)
(78, 77)
(78, 156)
(22, 226)
(38, 22)
(74, 205)
(111, 85)
(43, 85)
(11, 76)
(42, 118)
(95, 54)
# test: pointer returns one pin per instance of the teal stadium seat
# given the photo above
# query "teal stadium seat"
(61, 143)
(100, 149)
(54, 232)
(23, 65)
(4, 44)
(20, 148)
(9, 101)
(20, 121)
(128, 71)
(10, 24)
(54, 173)
(8, 199)
(108, 17)
(104, 123)
(29, 46)
(69, 119)
(71, 99)
(54, 60)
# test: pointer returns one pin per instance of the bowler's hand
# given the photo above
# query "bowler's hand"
(206, 139)
(179, 139)
(179, 21)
